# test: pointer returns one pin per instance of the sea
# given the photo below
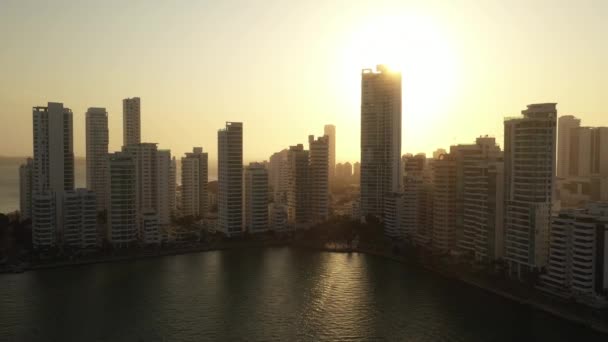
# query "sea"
(271, 294)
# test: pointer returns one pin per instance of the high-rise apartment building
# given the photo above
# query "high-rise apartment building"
(330, 132)
(444, 233)
(80, 219)
(529, 162)
(230, 178)
(278, 176)
(166, 188)
(483, 201)
(53, 172)
(97, 153)
(26, 174)
(53, 148)
(380, 137)
(122, 193)
(319, 178)
(413, 181)
(148, 185)
(131, 121)
(299, 189)
(256, 198)
(577, 264)
(564, 127)
(194, 183)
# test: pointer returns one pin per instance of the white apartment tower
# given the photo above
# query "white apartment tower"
(380, 137)
(53, 171)
(256, 198)
(330, 132)
(121, 199)
(529, 158)
(131, 121)
(230, 178)
(26, 173)
(319, 178)
(97, 153)
(564, 127)
(194, 183)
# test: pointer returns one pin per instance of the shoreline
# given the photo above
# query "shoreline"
(534, 303)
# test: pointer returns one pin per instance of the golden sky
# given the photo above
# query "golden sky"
(286, 68)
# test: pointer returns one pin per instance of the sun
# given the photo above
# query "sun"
(416, 45)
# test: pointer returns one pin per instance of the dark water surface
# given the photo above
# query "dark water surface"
(281, 294)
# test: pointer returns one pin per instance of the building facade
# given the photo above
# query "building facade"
(230, 178)
(194, 183)
(121, 199)
(131, 121)
(380, 137)
(256, 198)
(97, 140)
(529, 158)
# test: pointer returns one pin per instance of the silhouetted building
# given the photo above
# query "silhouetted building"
(230, 175)
(256, 198)
(97, 153)
(122, 194)
(564, 126)
(319, 178)
(299, 189)
(53, 173)
(131, 121)
(330, 132)
(26, 174)
(380, 137)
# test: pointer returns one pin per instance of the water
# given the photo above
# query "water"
(9, 181)
(281, 294)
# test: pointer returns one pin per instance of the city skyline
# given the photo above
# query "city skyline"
(203, 93)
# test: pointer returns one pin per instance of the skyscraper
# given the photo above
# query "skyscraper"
(319, 184)
(298, 193)
(122, 193)
(148, 184)
(256, 198)
(230, 178)
(131, 121)
(564, 126)
(53, 172)
(483, 201)
(25, 189)
(330, 132)
(380, 137)
(166, 188)
(97, 153)
(278, 176)
(194, 183)
(529, 181)
(53, 148)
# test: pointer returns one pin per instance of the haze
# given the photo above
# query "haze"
(286, 68)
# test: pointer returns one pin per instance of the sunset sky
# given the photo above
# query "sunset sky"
(286, 68)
